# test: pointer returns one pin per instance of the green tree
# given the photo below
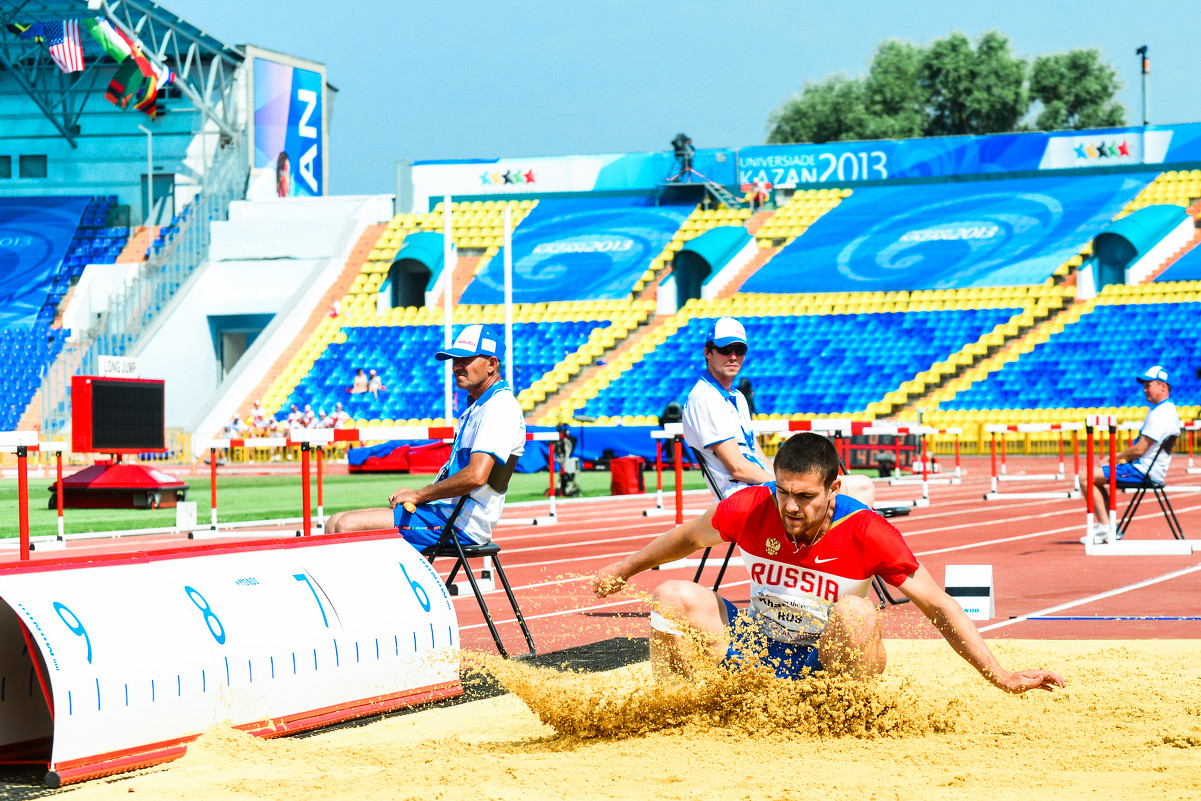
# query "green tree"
(1076, 90)
(973, 91)
(894, 102)
(824, 111)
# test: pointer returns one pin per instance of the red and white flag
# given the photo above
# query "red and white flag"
(62, 37)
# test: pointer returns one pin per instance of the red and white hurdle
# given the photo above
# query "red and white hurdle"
(313, 440)
(844, 428)
(994, 494)
(1191, 428)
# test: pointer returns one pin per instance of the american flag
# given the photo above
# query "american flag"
(62, 37)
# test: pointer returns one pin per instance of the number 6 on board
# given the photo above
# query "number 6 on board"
(423, 597)
(75, 628)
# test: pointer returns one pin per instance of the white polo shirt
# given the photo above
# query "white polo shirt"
(1162, 421)
(494, 425)
(712, 415)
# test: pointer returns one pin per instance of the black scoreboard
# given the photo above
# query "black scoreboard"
(117, 415)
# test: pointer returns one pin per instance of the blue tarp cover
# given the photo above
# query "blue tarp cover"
(582, 249)
(948, 236)
(35, 233)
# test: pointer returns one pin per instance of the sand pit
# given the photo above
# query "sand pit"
(1127, 726)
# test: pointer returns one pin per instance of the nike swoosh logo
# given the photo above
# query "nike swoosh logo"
(818, 560)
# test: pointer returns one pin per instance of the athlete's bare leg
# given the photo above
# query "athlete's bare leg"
(360, 520)
(695, 619)
(853, 642)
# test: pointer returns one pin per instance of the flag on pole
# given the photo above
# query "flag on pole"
(113, 40)
(24, 30)
(62, 37)
(125, 84)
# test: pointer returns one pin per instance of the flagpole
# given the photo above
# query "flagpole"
(448, 274)
(509, 297)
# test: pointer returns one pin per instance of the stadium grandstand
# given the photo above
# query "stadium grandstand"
(980, 279)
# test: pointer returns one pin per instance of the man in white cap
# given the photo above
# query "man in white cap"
(717, 420)
(1143, 455)
(489, 438)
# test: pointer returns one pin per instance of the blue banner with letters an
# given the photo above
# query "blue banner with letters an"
(35, 233)
(580, 249)
(288, 127)
(949, 235)
(846, 162)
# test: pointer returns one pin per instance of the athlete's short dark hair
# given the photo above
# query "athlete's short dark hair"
(807, 452)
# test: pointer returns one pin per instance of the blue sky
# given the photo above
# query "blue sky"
(462, 79)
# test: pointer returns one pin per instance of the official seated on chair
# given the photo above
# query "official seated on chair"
(489, 439)
(1147, 458)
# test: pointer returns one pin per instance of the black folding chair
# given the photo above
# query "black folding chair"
(1157, 488)
(450, 546)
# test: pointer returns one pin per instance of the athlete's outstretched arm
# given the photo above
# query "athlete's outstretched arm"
(675, 544)
(959, 631)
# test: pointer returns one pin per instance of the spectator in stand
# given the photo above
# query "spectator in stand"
(375, 384)
(295, 417)
(762, 193)
(283, 175)
(260, 419)
(360, 382)
(335, 308)
(340, 418)
(309, 418)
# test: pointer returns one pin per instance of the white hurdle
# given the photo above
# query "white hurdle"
(1191, 428)
(994, 494)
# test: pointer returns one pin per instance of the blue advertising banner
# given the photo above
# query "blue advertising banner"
(795, 165)
(948, 236)
(35, 233)
(288, 126)
(587, 249)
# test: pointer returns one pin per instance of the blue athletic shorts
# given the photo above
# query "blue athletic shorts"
(1126, 472)
(422, 527)
(789, 661)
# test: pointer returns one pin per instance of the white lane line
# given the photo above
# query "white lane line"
(1098, 597)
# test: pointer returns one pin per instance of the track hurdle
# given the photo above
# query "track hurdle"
(551, 517)
(994, 493)
(926, 456)
(1190, 429)
(838, 427)
(673, 432)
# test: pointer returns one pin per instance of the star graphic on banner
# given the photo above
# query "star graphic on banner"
(529, 177)
(1092, 153)
(496, 178)
(518, 178)
(485, 179)
(1080, 154)
(508, 177)
(1124, 149)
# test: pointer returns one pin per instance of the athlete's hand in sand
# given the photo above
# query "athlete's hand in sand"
(607, 581)
(1022, 680)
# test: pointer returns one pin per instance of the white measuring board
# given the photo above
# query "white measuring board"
(141, 654)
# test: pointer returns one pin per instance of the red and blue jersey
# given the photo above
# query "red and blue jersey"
(793, 586)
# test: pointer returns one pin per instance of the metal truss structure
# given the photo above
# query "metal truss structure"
(204, 66)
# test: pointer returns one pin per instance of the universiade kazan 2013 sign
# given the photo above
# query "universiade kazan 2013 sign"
(843, 162)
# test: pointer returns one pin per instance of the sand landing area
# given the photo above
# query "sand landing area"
(1128, 726)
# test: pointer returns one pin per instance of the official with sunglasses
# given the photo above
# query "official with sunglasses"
(717, 420)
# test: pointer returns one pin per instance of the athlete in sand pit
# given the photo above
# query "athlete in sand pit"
(811, 553)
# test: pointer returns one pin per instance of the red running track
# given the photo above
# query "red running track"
(1033, 546)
